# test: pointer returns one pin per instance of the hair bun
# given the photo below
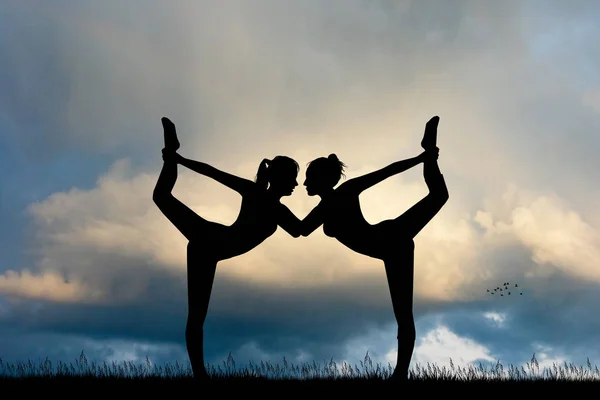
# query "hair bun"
(333, 157)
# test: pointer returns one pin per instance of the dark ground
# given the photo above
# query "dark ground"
(86, 387)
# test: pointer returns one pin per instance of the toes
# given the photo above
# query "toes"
(167, 123)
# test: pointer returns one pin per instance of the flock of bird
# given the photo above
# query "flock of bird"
(506, 289)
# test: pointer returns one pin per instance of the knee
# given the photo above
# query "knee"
(442, 189)
(406, 327)
(444, 195)
(159, 196)
(439, 192)
(194, 327)
(408, 333)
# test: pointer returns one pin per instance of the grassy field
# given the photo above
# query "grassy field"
(287, 378)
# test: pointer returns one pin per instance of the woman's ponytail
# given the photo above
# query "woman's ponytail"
(337, 167)
(262, 175)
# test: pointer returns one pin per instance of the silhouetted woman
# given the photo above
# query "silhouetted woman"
(210, 242)
(391, 240)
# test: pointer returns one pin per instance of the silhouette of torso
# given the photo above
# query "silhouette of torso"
(343, 220)
(256, 221)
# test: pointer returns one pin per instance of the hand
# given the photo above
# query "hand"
(429, 155)
(171, 156)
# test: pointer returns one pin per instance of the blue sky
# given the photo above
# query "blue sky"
(90, 263)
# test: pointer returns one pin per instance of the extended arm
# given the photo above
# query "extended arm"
(312, 221)
(364, 182)
(240, 185)
(289, 222)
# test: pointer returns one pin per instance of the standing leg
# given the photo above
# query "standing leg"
(399, 264)
(399, 269)
(399, 260)
(201, 270)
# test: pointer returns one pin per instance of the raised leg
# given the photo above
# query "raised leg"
(413, 220)
(190, 224)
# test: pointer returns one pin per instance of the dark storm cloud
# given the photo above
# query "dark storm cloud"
(238, 312)
(22, 346)
(147, 304)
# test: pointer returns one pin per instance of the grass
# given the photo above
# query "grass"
(288, 376)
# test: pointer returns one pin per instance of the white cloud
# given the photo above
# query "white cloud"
(496, 318)
(440, 345)
(547, 357)
(252, 353)
(556, 235)
(46, 286)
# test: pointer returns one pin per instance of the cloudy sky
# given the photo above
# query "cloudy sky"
(89, 262)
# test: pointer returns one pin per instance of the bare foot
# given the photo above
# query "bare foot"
(171, 141)
(430, 135)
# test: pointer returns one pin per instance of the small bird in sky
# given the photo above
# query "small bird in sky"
(506, 286)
